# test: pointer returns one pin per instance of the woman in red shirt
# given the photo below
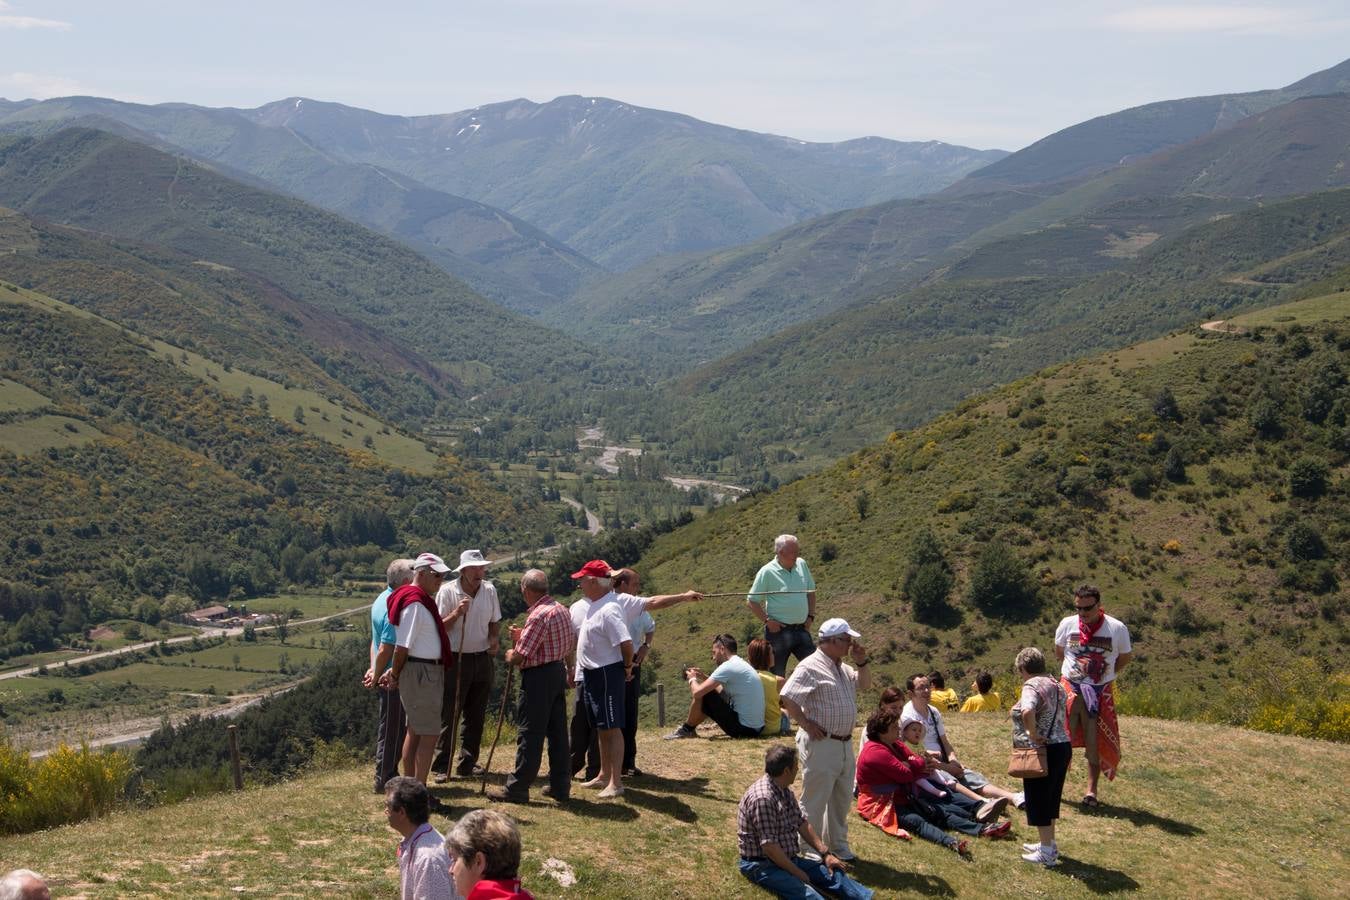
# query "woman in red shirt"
(485, 856)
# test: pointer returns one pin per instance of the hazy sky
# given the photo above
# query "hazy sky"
(984, 74)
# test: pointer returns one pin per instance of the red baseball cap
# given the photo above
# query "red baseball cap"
(596, 568)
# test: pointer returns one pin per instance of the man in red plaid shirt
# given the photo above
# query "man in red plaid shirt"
(540, 652)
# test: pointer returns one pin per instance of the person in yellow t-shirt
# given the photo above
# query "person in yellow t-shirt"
(944, 698)
(985, 699)
(760, 656)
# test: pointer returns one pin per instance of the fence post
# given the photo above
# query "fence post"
(235, 768)
(661, 705)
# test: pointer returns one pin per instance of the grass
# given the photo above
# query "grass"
(44, 432)
(1328, 308)
(1178, 823)
(178, 678)
(322, 418)
(311, 605)
(15, 397)
(258, 657)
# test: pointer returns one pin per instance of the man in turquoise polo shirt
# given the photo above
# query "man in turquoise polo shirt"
(783, 597)
(389, 737)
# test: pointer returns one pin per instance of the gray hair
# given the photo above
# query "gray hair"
(535, 580)
(17, 885)
(783, 540)
(399, 573)
(1031, 661)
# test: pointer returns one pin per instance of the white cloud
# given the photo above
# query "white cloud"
(33, 86)
(1214, 19)
(23, 23)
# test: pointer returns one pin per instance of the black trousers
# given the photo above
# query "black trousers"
(630, 712)
(389, 738)
(542, 716)
(1043, 794)
(585, 741)
(475, 687)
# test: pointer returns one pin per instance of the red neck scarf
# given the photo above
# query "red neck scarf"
(406, 596)
(1086, 631)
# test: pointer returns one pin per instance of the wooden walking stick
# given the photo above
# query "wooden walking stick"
(459, 707)
(501, 716)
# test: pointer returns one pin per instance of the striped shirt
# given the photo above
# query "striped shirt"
(768, 814)
(826, 691)
(547, 635)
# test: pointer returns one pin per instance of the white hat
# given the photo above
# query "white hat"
(432, 561)
(836, 627)
(471, 558)
(909, 715)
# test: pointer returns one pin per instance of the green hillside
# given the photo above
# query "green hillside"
(621, 183)
(812, 392)
(133, 470)
(1180, 823)
(1199, 479)
(499, 255)
(94, 180)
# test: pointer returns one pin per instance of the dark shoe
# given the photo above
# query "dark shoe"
(440, 777)
(468, 771)
(633, 772)
(501, 795)
(1091, 801)
(548, 792)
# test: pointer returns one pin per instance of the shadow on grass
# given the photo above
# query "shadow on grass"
(1098, 879)
(668, 805)
(697, 787)
(1140, 818)
(614, 811)
(884, 879)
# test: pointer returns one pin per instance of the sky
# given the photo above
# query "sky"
(981, 74)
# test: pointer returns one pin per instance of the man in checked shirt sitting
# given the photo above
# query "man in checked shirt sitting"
(770, 823)
(540, 651)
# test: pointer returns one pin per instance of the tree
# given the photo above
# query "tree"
(1174, 466)
(1165, 406)
(1308, 477)
(999, 583)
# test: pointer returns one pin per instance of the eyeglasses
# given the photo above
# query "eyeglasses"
(439, 576)
(1081, 608)
(844, 638)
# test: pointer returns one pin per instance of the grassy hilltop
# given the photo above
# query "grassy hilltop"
(1181, 822)
(1170, 473)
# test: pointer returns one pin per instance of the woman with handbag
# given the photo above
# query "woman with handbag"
(1041, 752)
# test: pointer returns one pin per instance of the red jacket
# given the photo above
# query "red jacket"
(410, 595)
(883, 767)
(508, 889)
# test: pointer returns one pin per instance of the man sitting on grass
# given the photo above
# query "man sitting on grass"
(985, 698)
(740, 713)
(770, 824)
(423, 865)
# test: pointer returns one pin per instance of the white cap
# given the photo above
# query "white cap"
(836, 627)
(430, 561)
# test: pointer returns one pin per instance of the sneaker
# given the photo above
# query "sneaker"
(1020, 800)
(1035, 845)
(1040, 857)
(990, 809)
(962, 849)
(996, 830)
(440, 777)
(684, 731)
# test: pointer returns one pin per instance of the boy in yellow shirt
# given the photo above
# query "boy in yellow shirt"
(943, 697)
(985, 699)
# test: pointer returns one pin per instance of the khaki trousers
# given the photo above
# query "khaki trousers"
(828, 771)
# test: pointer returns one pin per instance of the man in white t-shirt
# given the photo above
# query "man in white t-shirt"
(605, 659)
(472, 615)
(1093, 648)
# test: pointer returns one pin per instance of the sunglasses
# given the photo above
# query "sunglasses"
(1083, 608)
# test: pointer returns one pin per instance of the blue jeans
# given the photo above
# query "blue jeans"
(790, 639)
(783, 884)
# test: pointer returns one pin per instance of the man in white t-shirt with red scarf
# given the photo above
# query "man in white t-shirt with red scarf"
(1093, 648)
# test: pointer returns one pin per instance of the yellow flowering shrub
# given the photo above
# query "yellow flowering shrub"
(68, 785)
(1173, 546)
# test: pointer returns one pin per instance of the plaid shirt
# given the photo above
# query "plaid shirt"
(826, 691)
(547, 635)
(768, 813)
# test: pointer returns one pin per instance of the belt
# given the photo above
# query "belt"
(839, 737)
(800, 626)
(471, 653)
(421, 659)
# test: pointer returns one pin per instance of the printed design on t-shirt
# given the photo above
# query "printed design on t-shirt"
(1090, 661)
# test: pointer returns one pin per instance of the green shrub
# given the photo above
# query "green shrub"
(1308, 477)
(1000, 584)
